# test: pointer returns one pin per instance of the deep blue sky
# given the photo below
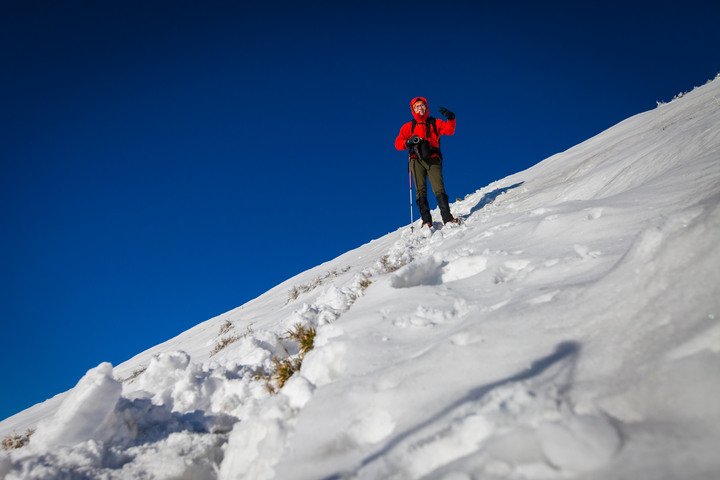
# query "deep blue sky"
(166, 161)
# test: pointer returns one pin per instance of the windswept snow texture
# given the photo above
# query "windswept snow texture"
(568, 328)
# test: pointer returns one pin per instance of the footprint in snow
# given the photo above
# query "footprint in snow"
(594, 213)
(585, 253)
(433, 270)
(429, 317)
(512, 270)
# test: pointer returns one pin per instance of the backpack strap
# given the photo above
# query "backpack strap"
(430, 121)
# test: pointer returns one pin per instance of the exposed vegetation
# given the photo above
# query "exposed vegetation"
(226, 327)
(682, 94)
(296, 291)
(386, 266)
(284, 368)
(305, 337)
(364, 282)
(225, 341)
(136, 373)
(15, 441)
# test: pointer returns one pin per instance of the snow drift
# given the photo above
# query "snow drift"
(567, 329)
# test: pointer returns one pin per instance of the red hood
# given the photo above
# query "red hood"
(418, 118)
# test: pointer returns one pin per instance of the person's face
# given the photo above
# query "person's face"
(419, 108)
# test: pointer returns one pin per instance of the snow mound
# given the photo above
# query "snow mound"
(85, 413)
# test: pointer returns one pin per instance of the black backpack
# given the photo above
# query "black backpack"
(425, 152)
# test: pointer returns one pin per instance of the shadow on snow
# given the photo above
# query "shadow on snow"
(565, 350)
(490, 197)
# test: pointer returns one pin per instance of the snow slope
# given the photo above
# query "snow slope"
(567, 329)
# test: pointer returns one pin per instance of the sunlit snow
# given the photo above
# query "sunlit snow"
(569, 328)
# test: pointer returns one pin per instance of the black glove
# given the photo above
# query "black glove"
(447, 113)
(414, 140)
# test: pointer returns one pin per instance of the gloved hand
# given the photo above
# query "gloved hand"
(447, 113)
(414, 140)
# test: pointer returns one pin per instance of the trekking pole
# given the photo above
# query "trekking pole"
(412, 228)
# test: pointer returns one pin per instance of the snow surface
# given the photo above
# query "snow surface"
(567, 329)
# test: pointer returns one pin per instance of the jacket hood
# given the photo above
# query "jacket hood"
(418, 118)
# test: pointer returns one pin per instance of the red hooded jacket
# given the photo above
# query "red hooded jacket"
(444, 127)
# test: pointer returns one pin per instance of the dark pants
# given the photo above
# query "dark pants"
(422, 171)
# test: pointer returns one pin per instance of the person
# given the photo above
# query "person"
(421, 137)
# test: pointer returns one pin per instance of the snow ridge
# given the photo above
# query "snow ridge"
(568, 328)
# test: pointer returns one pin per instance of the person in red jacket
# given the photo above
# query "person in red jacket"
(421, 137)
